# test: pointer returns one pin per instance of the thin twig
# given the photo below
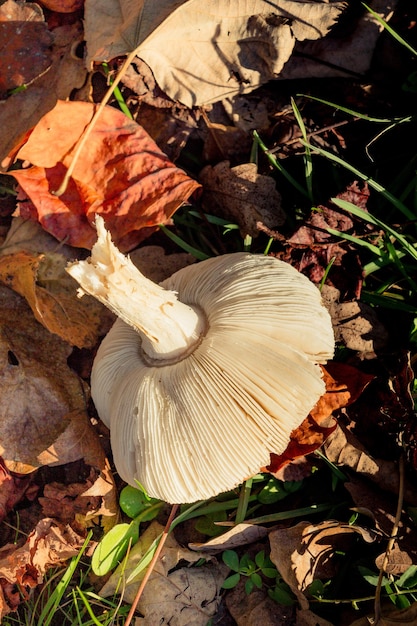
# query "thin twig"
(313, 133)
(390, 545)
(152, 564)
(83, 139)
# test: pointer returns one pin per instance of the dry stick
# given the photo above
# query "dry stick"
(395, 528)
(83, 139)
(152, 564)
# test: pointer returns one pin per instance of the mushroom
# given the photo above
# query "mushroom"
(202, 377)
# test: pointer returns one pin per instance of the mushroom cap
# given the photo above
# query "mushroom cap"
(200, 426)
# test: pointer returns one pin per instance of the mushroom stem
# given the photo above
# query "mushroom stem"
(168, 328)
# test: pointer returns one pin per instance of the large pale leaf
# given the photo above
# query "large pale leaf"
(200, 51)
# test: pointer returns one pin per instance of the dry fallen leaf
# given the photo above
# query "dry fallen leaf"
(343, 448)
(27, 54)
(312, 247)
(241, 195)
(257, 608)
(381, 507)
(239, 535)
(356, 324)
(51, 294)
(342, 54)
(40, 395)
(225, 49)
(308, 551)
(187, 596)
(63, 6)
(121, 174)
(48, 545)
(182, 596)
(391, 616)
(12, 489)
(156, 265)
(66, 73)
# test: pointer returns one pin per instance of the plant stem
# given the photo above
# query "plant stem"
(152, 564)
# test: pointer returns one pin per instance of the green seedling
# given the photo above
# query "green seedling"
(115, 544)
(251, 570)
(281, 593)
(276, 490)
(401, 590)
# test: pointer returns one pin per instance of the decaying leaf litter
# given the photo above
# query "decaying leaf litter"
(56, 479)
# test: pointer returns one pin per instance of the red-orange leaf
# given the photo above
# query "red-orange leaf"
(121, 174)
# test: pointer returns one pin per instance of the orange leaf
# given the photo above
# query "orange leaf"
(57, 308)
(344, 384)
(121, 174)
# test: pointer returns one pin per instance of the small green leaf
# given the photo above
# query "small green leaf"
(371, 577)
(260, 558)
(270, 572)
(231, 581)
(231, 559)
(257, 580)
(134, 501)
(281, 595)
(249, 585)
(246, 562)
(272, 492)
(316, 588)
(206, 524)
(113, 547)
(409, 578)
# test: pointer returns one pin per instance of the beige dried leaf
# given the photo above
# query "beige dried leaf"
(39, 393)
(306, 551)
(239, 535)
(242, 195)
(340, 56)
(226, 48)
(355, 324)
(343, 448)
(187, 596)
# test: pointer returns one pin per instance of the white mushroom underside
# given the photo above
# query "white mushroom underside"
(190, 430)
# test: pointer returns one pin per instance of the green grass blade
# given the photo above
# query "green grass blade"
(276, 163)
(55, 598)
(399, 265)
(388, 301)
(94, 619)
(198, 254)
(117, 94)
(367, 217)
(372, 183)
(390, 30)
(308, 164)
(244, 497)
(326, 272)
(283, 515)
(213, 219)
(362, 116)
(356, 240)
